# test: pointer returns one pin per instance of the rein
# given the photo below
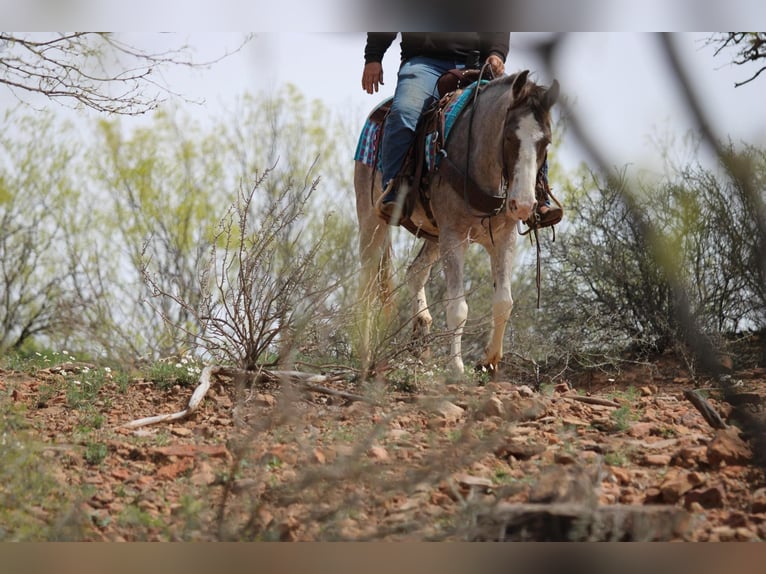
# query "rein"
(534, 227)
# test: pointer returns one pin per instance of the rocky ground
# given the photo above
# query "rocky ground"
(617, 455)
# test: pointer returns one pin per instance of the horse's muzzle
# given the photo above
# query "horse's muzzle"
(521, 210)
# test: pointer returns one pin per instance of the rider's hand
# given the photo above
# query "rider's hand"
(372, 76)
(497, 65)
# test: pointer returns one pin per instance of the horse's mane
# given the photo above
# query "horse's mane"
(531, 96)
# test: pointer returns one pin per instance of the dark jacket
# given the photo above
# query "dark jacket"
(447, 45)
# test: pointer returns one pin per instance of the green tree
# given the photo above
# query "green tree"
(37, 188)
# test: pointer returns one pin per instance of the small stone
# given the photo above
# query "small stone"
(563, 484)
(181, 431)
(641, 429)
(203, 475)
(564, 458)
(492, 407)
(378, 453)
(676, 484)
(621, 474)
(468, 481)
(758, 501)
(525, 410)
(450, 411)
(562, 388)
(319, 456)
(656, 459)
(264, 400)
(728, 447)
(724, 533)
(706, 498)
(519, 449)
(525, 391)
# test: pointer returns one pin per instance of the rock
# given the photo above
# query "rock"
(621, 475)
(525, 410)
(728, 447)
(758, 501)
(264, 400)
(525, 391)
(723, 534)
(519, 448)
(656, 460)
(568, 522)
(562, 388)
(181, 431)
(564, 458)
(449, 411)
(712, 497)
(174, 469)
(492, 407)
(641, 430)
(398, 434)
(204, 474)
(192, 450)
(377, 452)
(690, 456)
(319, 456)
(474, 482)
(677, 483)
(563, 484)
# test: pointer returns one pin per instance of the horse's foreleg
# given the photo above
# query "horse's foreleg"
(502, 300)
(417, 275)
(453, 255)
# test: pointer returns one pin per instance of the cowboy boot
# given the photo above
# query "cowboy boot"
(547, 213)
(390, 204)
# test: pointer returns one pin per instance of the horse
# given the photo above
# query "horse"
(502, 140)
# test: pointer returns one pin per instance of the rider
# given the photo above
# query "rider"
(425, 56)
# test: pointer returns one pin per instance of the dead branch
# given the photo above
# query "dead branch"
(705, 409)
(307, 381)
(194, 402)
(593, 401)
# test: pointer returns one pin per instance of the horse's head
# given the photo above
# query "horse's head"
(526, 136)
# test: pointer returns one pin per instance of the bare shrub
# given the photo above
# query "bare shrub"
(260, 286)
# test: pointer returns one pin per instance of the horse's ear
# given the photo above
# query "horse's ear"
(551, 95)
(518, 84)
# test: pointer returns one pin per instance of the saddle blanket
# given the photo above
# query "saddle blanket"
(366, 149)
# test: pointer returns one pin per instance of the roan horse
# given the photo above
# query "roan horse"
(510, 129)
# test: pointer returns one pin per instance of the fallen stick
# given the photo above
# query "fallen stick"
(194, 402)
(705, 409)
(307, 381)
(593, 401)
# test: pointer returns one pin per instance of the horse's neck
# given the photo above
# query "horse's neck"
(477, 136)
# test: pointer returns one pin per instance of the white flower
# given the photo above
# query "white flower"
(78, 383)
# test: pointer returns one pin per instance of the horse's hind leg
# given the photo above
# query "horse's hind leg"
(417, 275)
(375, 254)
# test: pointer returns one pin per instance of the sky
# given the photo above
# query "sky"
(618, 83)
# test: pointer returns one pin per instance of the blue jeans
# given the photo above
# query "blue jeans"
(415, 91)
